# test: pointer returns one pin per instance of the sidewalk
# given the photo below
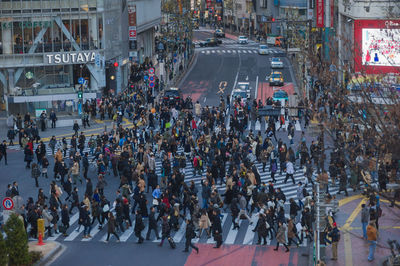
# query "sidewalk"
(50, 250)
(352, 248)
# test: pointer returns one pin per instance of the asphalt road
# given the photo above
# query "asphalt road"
(225, 65)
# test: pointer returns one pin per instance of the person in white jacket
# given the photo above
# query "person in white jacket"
(47, 217)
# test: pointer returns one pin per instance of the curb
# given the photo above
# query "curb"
(51, 255)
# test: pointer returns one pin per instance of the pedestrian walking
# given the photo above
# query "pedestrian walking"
(281, 236)
(189, 235)
(165, 230)
(111, 227)
(139, 227)
(364, 220)
(372, 234)
(335, 235)
(35, 173)
(152, 224)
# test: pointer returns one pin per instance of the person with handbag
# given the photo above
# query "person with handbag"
(189, 235)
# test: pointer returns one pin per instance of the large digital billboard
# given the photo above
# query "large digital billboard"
(377, 46)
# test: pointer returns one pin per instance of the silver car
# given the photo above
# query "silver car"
(263, 49)
(276, 63)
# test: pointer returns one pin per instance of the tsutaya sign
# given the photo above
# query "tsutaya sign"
(69, 58)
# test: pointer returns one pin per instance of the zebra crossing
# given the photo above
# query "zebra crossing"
(243, 236)
(257, 125)
(226, 41)
(236, 51)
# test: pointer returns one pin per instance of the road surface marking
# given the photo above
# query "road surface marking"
(223, 51)
(203, 52)
(230, 238)
(347, 239)
(181, 232)
(297, 126)
(213, 51)
(128, 232)
(349, 199)
(244, 51)
(255, 94)
(249, 236)
(229, 51)
(239, 51)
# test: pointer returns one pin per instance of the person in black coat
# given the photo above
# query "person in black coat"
(217, 228)
(68, 187)
(152, 224)
(85, 164)
(142, 205)
(139, 227)
(235, 213)
(89, 187)
(262, 228)
(65, 219)
(189, 235)
(75, 200)
(28, 156)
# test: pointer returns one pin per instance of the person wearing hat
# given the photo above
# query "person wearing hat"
(335, 235)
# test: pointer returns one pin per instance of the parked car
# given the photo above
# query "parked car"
(263, 49)
(276, 62)
(243, 40)
(219, 33)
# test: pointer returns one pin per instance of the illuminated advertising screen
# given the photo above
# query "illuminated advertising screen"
(377, 46)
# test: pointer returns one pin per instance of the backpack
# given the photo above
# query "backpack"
(304, 192)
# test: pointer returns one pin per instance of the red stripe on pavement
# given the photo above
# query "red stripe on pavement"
(230, 36)
(226, 255)
(241, 255)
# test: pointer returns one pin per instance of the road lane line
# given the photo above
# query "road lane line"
(181, 232)
(255, 94)
(249, 236)
(230, 238)
(347, 239)
(128, 232)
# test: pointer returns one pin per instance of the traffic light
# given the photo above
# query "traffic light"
(80, 95)
(116, 64)
(273, 19)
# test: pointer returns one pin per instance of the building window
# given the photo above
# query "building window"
(302, 12)
(264, 3)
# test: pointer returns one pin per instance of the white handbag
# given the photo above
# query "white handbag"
(155, 202)
(106, 208)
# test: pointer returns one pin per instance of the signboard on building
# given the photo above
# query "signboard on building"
(377, 43)
(310, 14)
(132, 21)
(69, 58)
(320, 13)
